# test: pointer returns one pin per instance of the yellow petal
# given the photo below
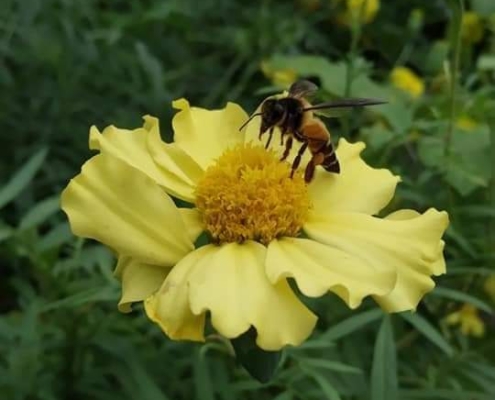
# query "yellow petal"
(193, 222)
(139, 281)
(121, 207)
(410, 246)
(318, 268)
(170, 308)
(358, 187)
(205, 134)
(231, 284)
(438, 267)
(144, 150)
(453, 318)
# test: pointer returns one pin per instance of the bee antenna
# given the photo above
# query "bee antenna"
(249, 120)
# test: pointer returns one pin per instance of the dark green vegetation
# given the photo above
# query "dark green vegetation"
(67, 64)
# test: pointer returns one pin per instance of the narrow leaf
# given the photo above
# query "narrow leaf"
(351, 324)
(22, 178)
(40, 213)
(428, 330)
(462, 298)
(384, 384)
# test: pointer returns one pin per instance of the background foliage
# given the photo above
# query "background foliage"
(67, 64)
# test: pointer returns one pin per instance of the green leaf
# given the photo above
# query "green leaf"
(325, 386)
(486, 62)
(90, 295)
(468, 167)
(58, 235)
(428, 330)
(480, 211)
(442, 394)
(5, 232)
(260, 364)
(384, 385)
(351, 324)
(461, 297)
(202, 378)
(399, 115)
(22, 178)
(332, 75)
(40, 213)
(453, 234)
(483, 7)
(330, 365)
(437, 54)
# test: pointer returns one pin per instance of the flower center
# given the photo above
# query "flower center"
(248, 195)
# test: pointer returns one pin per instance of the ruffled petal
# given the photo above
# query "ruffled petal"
(205, 134)
(229, 281)
(318, 268)
(144, 150)
(170, 308)
(139, 281)
(121, 207)
(358, 187)
(412, 284)
(232, 285)
(193, 222)
(410, 246)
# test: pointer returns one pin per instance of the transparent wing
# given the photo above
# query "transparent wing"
(302, 88)
(337, 108)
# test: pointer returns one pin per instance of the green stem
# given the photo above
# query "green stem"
(458, 11)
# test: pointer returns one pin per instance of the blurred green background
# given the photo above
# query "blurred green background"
(68, 64)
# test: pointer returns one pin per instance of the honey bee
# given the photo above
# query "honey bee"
(294, 116)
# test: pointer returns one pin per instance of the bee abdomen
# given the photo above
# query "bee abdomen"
(330, 163)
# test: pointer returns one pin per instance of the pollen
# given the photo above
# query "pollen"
(248, 194)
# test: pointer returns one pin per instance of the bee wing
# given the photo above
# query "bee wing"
(323, 108)
(302, 88)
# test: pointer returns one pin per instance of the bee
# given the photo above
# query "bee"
(294, 116)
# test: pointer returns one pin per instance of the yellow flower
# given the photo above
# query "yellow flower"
(471, 27)
(469, 320)
(406, 80)
(254, 214)
(489, 286)
(466, 123)
(281, 78)
(361, 10)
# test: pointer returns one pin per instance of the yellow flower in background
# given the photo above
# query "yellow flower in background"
(406, 80)
(366, 10)
(254, 215)
(466, 123)
(471, 27)
(469, 320)
(281, 78)
(489, 286)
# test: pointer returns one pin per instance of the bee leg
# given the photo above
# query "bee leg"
(288, 147)
(270, 135)
(309, 172)
(297, 160)
(282, 134)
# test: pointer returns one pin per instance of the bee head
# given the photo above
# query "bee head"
(272, 112)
